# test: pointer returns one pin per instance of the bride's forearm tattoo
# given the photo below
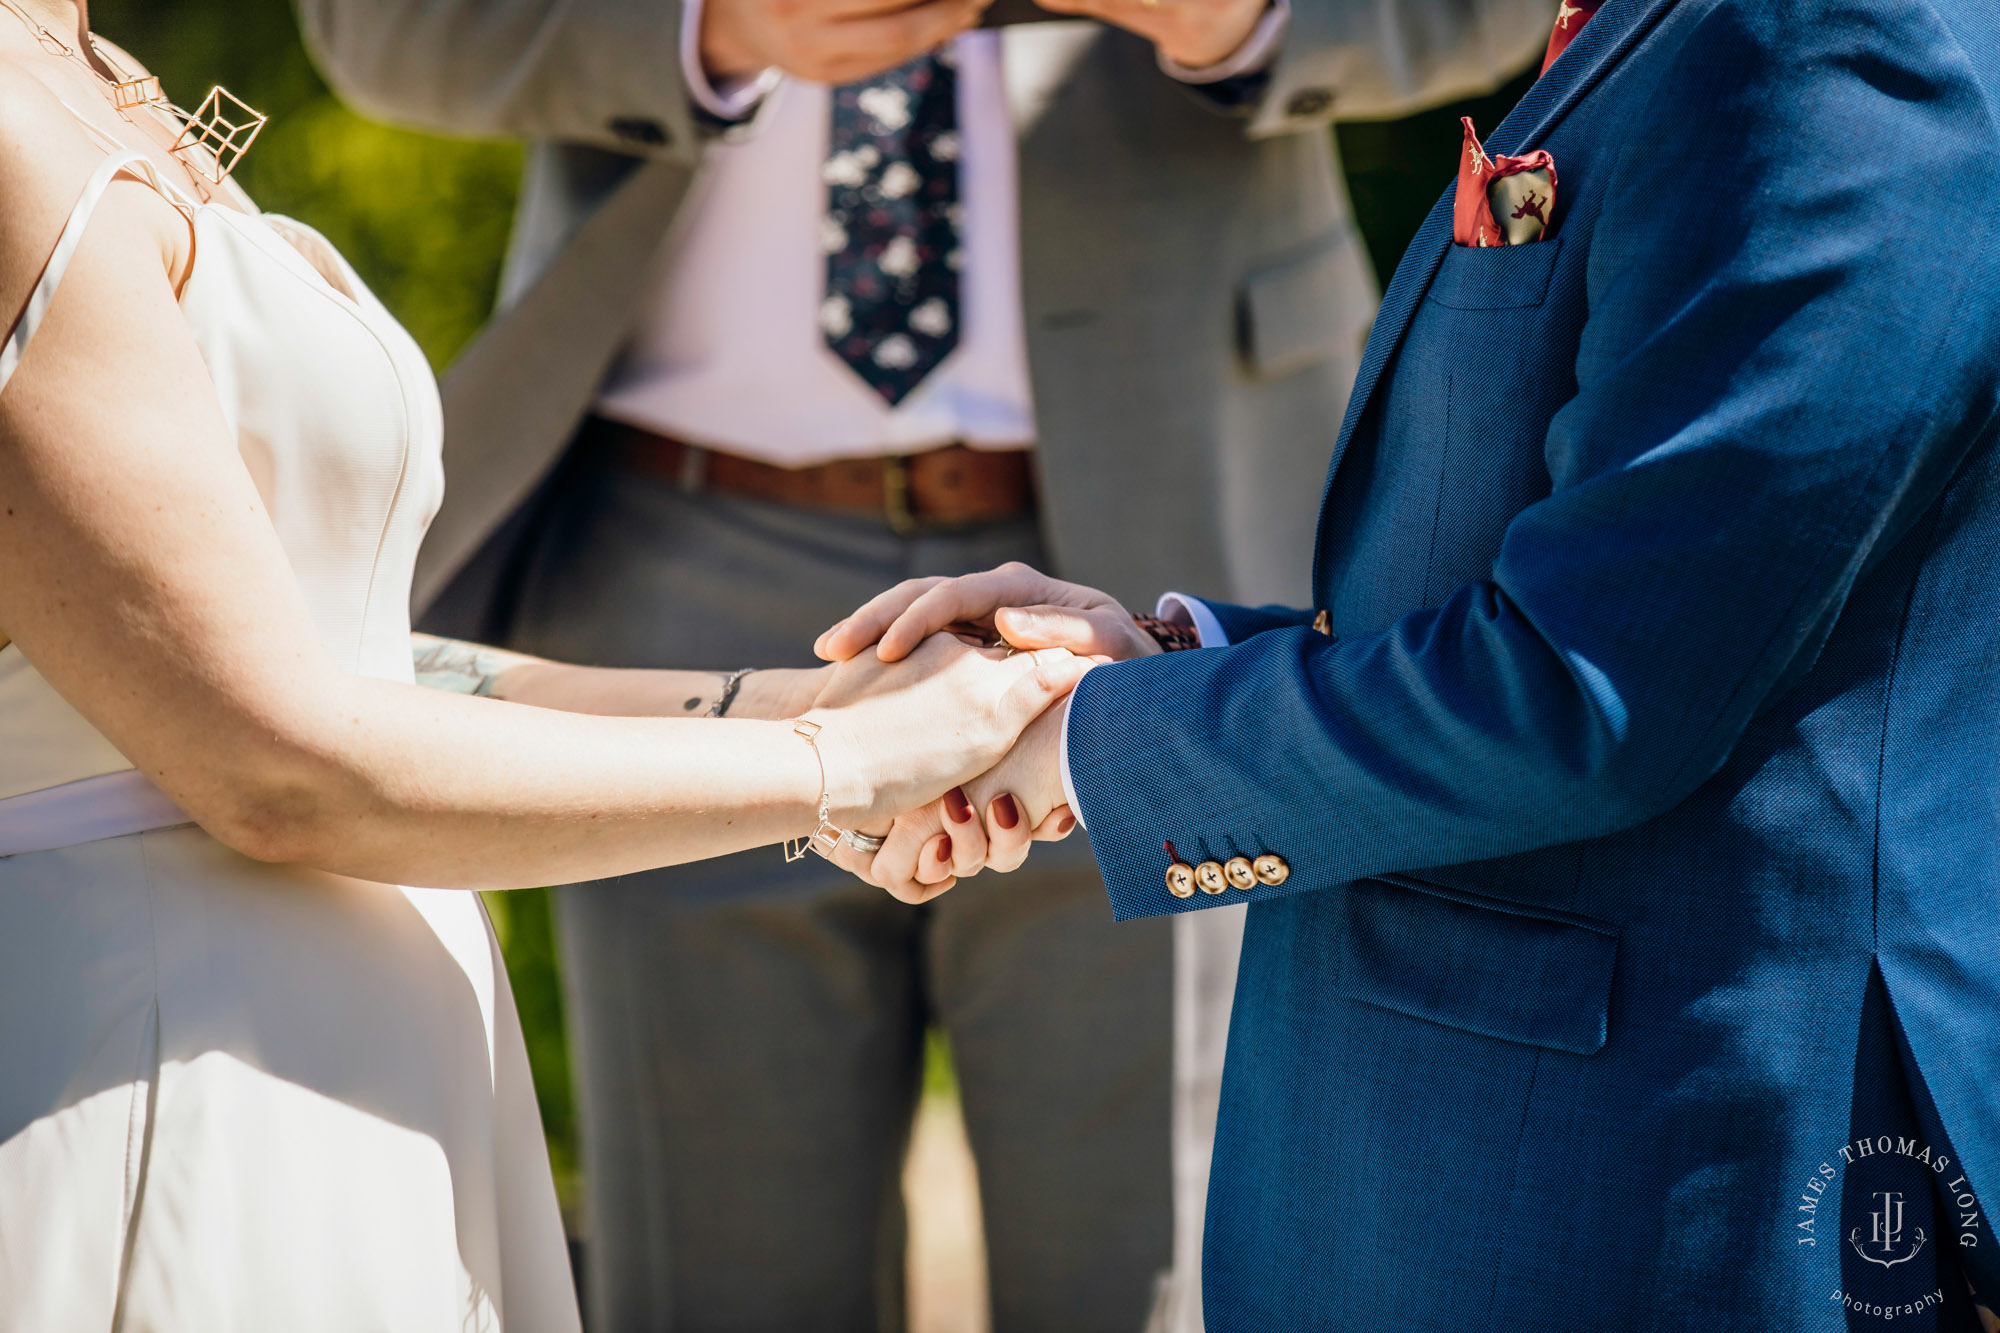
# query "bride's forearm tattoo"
(457, 667)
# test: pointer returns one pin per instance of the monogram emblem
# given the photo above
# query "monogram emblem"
(1885, 1232)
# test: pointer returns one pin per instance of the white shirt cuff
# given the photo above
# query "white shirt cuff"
(1256, 54)
(1178, 608)
(736, 98)
(1062, 762)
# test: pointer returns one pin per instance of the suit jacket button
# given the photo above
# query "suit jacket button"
(1309, 102)
(1272, 869)
(1240, 873)
(1180, 880)
(1323, 622)
(1208, 875)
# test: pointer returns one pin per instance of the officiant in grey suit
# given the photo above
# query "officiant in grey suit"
(1083, 293)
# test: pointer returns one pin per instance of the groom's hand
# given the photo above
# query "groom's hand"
(826, 41)
(1015, 603)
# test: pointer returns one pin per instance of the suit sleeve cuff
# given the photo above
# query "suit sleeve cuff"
(1258, 52)
(737, 99)
(1176, 608)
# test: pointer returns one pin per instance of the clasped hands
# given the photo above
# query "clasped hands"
(990, 821)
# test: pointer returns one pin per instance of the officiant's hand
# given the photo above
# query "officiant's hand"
(1194, 33)
(1015, 603)
(826, 41)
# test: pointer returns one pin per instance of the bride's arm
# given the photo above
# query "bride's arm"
(140, 574)
(497, 673)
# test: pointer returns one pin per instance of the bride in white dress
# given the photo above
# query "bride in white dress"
(245, 1083)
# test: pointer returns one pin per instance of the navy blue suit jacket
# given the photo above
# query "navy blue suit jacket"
(1656, 726)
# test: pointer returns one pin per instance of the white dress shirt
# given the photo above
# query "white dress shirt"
(729, 352)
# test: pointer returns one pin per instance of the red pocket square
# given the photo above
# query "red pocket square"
(1501, 200)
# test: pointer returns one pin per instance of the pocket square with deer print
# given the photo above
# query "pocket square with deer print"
(1502, 200)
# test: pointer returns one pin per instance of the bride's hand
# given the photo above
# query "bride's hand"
(896, 737)
(988, 823)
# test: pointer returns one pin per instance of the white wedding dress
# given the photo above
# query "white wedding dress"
(236, 1096)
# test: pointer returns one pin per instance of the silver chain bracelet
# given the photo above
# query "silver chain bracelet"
(731, 683)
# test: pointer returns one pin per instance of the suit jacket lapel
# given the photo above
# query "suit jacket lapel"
(499, 442)
(1596, 49)
(1615, 30)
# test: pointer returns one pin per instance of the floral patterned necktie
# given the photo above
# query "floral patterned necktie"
(891, 229)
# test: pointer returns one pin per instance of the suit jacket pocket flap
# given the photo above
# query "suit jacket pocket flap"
(1499, 277)
(1500, 969)
(1296, 311)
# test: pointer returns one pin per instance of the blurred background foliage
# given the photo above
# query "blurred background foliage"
(425, 221)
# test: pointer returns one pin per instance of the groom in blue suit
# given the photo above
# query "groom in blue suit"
(1622, 824)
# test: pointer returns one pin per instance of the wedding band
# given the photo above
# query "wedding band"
(861, 842)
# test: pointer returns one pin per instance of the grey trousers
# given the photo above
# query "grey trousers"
(747, 1035)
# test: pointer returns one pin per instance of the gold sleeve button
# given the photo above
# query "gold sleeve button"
(1240, 873)
(1271, 869)
(1180, 879)
(1208, 876)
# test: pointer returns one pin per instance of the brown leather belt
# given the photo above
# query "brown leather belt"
(941, 488)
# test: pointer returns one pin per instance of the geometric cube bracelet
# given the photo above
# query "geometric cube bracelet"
(825, 837)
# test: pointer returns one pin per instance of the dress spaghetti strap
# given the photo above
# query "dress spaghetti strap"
(72, 235)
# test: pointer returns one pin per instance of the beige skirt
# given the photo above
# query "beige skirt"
(240, 1096)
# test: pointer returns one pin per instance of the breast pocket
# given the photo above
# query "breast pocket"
(1506, 970)
(1510, 365)
(1497, 277)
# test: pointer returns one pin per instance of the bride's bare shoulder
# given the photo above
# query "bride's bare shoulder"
(44, 152)
(45, 160)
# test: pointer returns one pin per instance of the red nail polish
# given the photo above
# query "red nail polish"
(1005, 812)
(956, 807)
(1068, 823)
(944, 850)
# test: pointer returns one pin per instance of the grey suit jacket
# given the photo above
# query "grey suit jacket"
(1194, 292)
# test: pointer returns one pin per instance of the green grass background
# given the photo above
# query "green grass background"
(425, 222)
